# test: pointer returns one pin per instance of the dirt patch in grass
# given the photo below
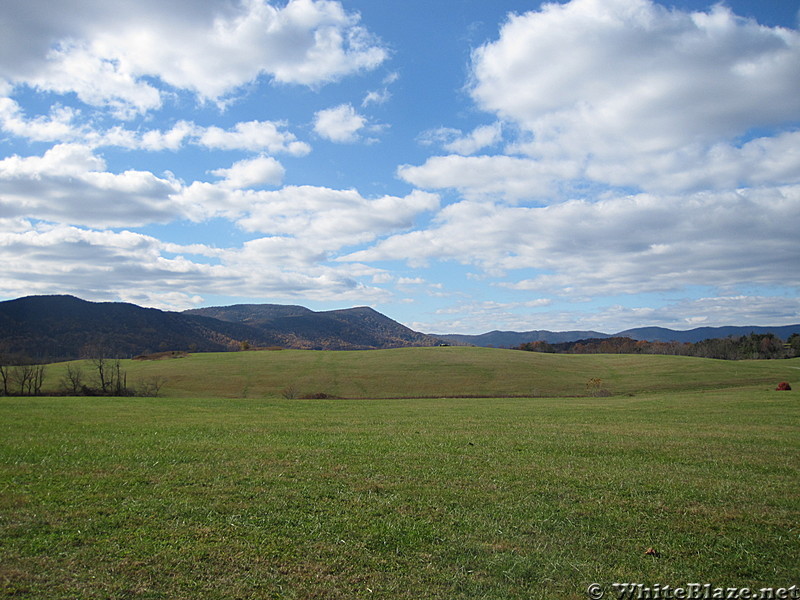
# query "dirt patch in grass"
(162, 355)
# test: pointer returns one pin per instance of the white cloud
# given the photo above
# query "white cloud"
(328, 219)
(58, 126)
(596, 75)
(480, 137)
(97, 80)
(376, 97)
(619, 245)
(104, 54)
(339, 124)
(62, 125)
(382, 95)
(766, 160)
(69, 184)
(155, 140)
(712, 311)
(638, 94)
(410, 281)
(255, 136)
(251, 173)
(477, 177)
(103, 265)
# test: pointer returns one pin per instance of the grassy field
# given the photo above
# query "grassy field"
(440, 372)
(502, 498)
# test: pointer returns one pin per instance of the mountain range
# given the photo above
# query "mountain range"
(512, 339)
(63, 327)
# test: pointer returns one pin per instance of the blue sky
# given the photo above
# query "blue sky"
(459, 165)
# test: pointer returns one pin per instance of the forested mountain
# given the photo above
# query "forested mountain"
(298, 327)
(63, 327)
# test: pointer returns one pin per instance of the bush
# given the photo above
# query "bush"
(783, 386)
(290, 392)
(595, 387)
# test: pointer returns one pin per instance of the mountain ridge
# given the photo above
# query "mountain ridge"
(512, 339)
(62, 327)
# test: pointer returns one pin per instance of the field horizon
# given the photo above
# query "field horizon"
(437, 372)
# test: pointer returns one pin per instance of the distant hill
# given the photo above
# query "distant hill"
(61, 327)
(512, 339)
(660, 334)
(346, 329)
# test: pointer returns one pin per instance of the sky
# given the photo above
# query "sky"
(459, 165)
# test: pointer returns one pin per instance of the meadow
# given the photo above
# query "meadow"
(225, 489)
(437, 372)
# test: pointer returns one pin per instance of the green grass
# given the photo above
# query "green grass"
(441, 372)
(192, 498)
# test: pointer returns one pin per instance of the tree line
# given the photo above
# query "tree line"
(753, 346)
(98, 375)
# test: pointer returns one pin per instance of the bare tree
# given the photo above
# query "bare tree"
(111, 379)
(151, 387)
(5, 375)
(72, 382)
(29, 379)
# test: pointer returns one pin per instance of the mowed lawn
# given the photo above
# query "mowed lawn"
(411, 499)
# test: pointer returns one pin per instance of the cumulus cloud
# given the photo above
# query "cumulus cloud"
(453, 140)
(253, 135)
(324, 219)
(58, 126)
(252, 172)
(507, 177)
(618, 245)
(765, 160)
(626, 93)
(69, 184)
(105, 265)
(334, 218)
(339, 124)
(592, 76)
(106, 55)
(63, 125)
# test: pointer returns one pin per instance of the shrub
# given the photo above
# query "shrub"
(595, 387)
(290, 392)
